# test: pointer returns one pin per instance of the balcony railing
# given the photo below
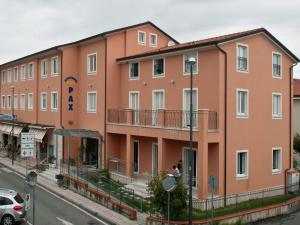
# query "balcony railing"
(174, 119)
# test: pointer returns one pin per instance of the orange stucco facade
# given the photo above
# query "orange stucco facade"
(139, 136)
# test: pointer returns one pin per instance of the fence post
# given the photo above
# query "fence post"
(263, 195)
(236, 202)
(206, 209)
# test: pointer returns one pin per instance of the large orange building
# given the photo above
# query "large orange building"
(124, 95)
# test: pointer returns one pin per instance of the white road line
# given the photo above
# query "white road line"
(6, 170)
(64, 222)
(70, 203)
(29, 223)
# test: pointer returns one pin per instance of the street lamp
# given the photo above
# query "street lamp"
(13, 124)
(191, 61)
(31, 179)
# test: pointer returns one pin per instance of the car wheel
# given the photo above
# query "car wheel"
(7, 220)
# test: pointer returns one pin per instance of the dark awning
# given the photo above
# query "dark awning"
(78, 133)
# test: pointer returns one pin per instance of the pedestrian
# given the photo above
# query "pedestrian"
(176, 172)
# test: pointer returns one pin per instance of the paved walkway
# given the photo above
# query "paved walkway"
(88, 205)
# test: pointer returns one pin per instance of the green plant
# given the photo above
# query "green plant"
(297, 142)
(178, 198)
(81, 151)
(105, 173)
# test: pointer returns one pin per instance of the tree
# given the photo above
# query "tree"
(297, 142)
(178, 198)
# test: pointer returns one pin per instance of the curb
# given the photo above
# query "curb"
(92, 212)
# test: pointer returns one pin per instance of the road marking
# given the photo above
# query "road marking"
(64, 222)
(6, 170)
(70, 203)
(29, 223)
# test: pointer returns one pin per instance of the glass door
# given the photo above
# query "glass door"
(154, 159)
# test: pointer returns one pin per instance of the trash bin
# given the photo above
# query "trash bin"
(60, 179)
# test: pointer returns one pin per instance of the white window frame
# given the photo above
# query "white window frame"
(183, 98)
(3, 101)
(30, 107)
(88, 63)
(145, 35)
(130, 100)
(239, 114)
(134, 78)
(41, 102)
(3, 76)
(9, 74)
(277, 116)
(277, 171)
(237, 58)
(16, 101)
(52, 66)
(53, 109)
(23, 72)
(15, 74)
(44, 68)
(88, 109)
(164, 97)
(197, 63)
(246, 175)
(30, 77)
(8, 101)
(22, 106)
(273, 75)
(151, 44)
(161, 74)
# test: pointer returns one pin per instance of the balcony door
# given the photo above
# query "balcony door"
(185, 165)
(134, 99)
(158, 102)
(186, 107)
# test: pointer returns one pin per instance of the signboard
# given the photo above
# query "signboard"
(27, 202)
(213, 182)
(71, 83)
(27, 145)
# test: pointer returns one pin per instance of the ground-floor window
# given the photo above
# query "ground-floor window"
(242, 164)
(276, 157)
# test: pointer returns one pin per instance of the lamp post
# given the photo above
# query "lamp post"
(13, 124)
(191, 62)
(31, 179)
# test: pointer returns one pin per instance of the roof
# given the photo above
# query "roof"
(101, 35)
(296, 87)
(210, 41)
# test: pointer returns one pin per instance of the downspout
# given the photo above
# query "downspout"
(37, 90)
(61, 98)
(290, 106)
(105, 104)
(225, 123)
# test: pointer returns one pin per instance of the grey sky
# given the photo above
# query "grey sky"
(27, 26)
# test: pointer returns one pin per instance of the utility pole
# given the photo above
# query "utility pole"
(13, 125)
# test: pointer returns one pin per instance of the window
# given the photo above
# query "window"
(134, 71)
(134, 102)
(142, 37)
(44, 68)
(186, 107)
(16, 75)
(153, 40)
(30, 101)
(242, 58)
(91, 101)
(5, 201)
(158, 67)
(54, 101)
(158, 102)
(276, 63)
(276, 160)
(242, 103)
(187, 67)
(23, 72)
(242, 164)
(15, 101)
(8, 101)
(30, 71)
(277, 105)
(43, 101)
(92, 63)
(8, 75)
(54, 65)
(22, 101)
(3, 77)
(3, 101)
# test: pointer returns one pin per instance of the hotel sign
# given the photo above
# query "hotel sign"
(71, 83)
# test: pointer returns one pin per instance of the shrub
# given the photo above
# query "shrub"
(297, 142)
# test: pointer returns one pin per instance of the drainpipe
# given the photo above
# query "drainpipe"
(225, 123)
(105, 103)
(290, 106)
(61, 109)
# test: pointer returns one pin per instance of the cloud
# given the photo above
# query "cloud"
(32, 25)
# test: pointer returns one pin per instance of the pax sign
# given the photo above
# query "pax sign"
(71, 83)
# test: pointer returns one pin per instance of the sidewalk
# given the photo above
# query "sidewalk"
(93, 208)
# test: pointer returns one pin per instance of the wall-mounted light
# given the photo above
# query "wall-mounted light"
(145, 83)
(172, 81)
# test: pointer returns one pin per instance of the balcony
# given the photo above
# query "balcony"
(168, 119)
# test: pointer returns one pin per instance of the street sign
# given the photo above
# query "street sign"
(27, 145)
(213, 182)
(27, 202)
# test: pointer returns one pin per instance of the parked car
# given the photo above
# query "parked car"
(12, 207)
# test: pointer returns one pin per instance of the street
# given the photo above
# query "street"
(50, 209)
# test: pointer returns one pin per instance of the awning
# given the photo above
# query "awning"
(38, 133)
(7, 129)
(78, 133)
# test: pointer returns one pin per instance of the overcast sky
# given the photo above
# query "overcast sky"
(27, 26)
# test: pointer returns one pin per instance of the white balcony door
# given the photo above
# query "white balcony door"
(186, 107)
(134, 105)
(154, 159)
(158, 102)
(185, 165)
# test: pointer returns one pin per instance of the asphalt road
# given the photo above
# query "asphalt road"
(50, 209)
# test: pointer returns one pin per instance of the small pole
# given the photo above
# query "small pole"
(168, 208)
(33, 206)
